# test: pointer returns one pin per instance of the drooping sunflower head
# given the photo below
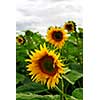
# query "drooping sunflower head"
(45, 67)
(70, 26)
(20, 40)
(28, 33)
(56, 36)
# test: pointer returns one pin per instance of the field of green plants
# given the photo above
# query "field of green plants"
(70, 86)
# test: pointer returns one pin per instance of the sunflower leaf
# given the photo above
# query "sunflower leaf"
(76, 67)
(66, 70)
(78, 93)
(32, 87)
(19, 78)
(30, 96)
(72, 76)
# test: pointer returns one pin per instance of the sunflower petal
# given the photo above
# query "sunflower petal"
(48, 83)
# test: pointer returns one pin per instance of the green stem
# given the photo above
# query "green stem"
(62, 83)
(67, 87)
(79, 84)
(67, 97)
(61, 92)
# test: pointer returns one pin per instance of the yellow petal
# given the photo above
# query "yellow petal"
(53, 83)
(48, 83)
(32, 52)
(41, 47)
(30, 56)
(28, 60)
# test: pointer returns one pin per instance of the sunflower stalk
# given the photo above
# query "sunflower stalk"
(62, 97)
(62, 83)
(61, 92)
(62, 86)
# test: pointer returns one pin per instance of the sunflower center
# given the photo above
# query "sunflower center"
(68, 27)
(20, 40)
(46, 64)
(57, 35)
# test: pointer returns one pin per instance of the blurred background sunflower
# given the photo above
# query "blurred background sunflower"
(20, 40)
(70, 26)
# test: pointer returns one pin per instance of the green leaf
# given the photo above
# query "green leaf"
(80, 29)
(72, 76)
(70, 48)
(21, 54)
(71, 98)
(32, 87)
(67, 97)
(66, 70)
(37, 38)
(78, 93)
(19, 78)
(76, 67)
(30, 96)
(72, 38)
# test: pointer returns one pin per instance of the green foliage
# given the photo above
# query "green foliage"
(76, 67)
(78, 93)
(71, 55)
(66, 70)
(31, 87)
(21, 96)
(72, 76)
(19, 78)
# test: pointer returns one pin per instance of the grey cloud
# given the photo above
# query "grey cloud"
(24, 25)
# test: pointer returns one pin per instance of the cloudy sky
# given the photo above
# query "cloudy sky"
(38, 15)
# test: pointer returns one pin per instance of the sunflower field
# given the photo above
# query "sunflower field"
(50, 67)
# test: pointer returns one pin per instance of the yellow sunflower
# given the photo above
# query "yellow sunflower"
(20, 40)
(70, 26)
(56, 36)
(45, 67)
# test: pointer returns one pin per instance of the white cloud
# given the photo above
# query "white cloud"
(38, 15)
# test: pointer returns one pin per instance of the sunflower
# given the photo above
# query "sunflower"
(28, 33)
(70, 26)
(56, 36)
(45, 67)
(20, 40)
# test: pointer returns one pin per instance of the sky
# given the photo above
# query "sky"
(38, 15)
